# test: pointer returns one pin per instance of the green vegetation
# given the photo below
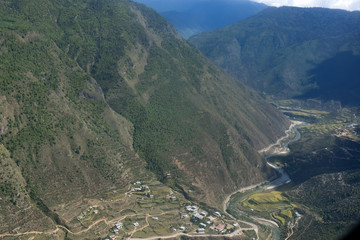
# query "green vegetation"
(333, 201)
(308, 116)
(281, 53)
(273, 203)
(310, 73)
(321, 201)
(96, 93)
(324, 169)
(328, 144)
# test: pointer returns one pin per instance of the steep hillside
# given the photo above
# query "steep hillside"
(60, 141)
(288, 52)
(192, 17)
(94, 94)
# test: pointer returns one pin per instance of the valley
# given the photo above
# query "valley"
(97, 95)
(283, 213)
(147, 209)
(254, 203)
(302, 61)
(112, 126)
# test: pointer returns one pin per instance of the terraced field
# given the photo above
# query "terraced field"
(270, 204)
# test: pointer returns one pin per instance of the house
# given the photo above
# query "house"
(204, 213)
(197, 215)
(136, 224)
(202, 225)
(118, 225)
(220, 227)
(218, 214)
(185, 216)
(200, 230)
(182, 228)
(155, 218)
(189, 208)
(172, 197)
(137, 189)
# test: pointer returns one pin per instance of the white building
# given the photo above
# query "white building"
(204, 213)
(119, 225)
(197, 215)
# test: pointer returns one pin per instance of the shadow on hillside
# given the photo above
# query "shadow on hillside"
(338, 79)
(336, 155)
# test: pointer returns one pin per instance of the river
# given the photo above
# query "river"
(281, 147)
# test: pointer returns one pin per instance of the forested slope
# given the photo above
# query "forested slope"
(291, 52)
(95, 94)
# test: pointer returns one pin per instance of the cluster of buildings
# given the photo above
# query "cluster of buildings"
(202, 220)
(92, 209)
(205, 220)
(221, 228)
(139, 187)
(347, 130)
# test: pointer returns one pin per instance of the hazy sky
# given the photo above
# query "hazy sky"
(340, 4)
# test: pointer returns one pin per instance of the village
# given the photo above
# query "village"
(350, 130)
(171, 215)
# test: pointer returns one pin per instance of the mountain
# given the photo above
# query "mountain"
(192, 17)
(97, 94)
(291, 52)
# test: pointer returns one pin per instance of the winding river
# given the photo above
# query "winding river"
(276, 149)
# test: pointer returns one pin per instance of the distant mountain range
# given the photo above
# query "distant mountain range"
(191, 17)
(291, 52)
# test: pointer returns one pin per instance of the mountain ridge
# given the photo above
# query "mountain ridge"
(278, 50)
(193, 17)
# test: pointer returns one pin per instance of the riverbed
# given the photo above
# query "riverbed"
(281, 147)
